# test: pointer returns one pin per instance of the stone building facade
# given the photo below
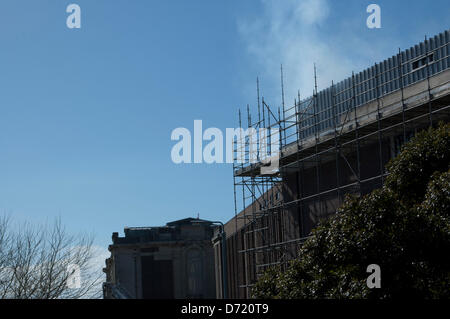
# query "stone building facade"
(173, 261)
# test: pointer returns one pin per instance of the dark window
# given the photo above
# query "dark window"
(157, 278)
(423, 62)
(150, 250)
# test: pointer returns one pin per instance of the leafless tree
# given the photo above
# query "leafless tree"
(45, 262)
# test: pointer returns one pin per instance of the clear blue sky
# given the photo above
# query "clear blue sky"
(86, 115)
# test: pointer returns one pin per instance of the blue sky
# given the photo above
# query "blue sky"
(86, 115)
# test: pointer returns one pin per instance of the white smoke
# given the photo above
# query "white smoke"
(290, 32)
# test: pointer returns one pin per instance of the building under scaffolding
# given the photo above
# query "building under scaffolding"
(336, 142)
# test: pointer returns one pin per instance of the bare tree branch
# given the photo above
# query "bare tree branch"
(35, 262)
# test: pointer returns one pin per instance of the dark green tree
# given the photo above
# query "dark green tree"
(404, 227)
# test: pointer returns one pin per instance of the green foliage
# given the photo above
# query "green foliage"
(404, 227)
(426, 153)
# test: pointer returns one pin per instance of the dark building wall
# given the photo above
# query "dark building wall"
(304, 185)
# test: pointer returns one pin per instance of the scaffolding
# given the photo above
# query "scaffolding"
(333, 143)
